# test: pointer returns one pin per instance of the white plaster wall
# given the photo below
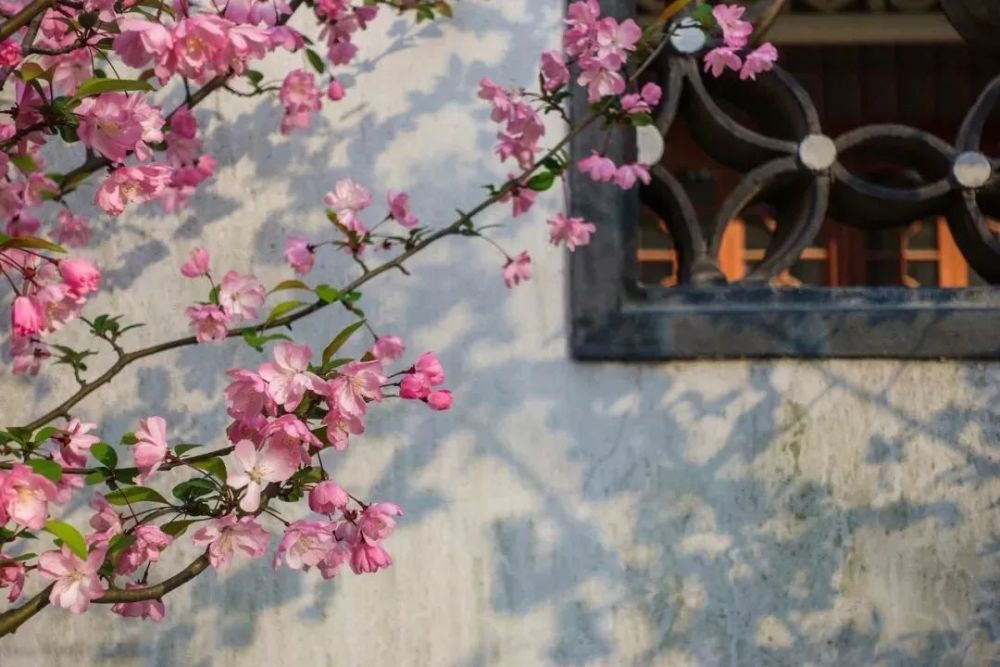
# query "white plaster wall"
(563, 514)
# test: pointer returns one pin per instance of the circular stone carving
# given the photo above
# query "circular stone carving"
(972, 170)
(688, 36)
(817, 152)
(649, 144)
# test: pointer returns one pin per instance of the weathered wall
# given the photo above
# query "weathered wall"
(563, 514)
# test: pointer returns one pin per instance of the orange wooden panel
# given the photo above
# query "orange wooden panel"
(952, 269)
(732, 261)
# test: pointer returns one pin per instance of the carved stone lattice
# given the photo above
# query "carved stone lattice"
(787, 161)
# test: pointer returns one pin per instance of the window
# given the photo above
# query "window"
(844, 205)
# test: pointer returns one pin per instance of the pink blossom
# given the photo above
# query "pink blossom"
(600, 79)
(735, 32)
(574, 232)
(75, 440)
(429, 366)
(335, 91)
(38, 186)
(76, 580)
(115, 125)
(555, 74)
(339, 555)
(71, 69)
(387, 349)
(153, 610)
(341, 426)
(197, 264)
(614, 40)
(300, 97)
(628, 174)
(414, 386)
(201, 47)
(247, 427)
(288, 377)
(247, 394)
(517, 270)
(760, 60)
(288, 431)
(12, 575)
(60, 303)
(399, 209)
(224, 536)
(72, 231)
(440, 399)
(358, 383)
(183, 123)
(27, 316)
(718, 59)
(643, 101)
(131, 185)
(523, 198)
(582, 21)
(369, 558)
(150, 540)
(151, 448)
(23, 225)
(210, 322)
(598, 167)
(10, 53)
(347, 200)
(27, 355)
(327, 498)
(257, 469)
(80, 275)
(107, 522)
(241, 295)
(376, 521)
(141, 41)
(305, 544)
(299, 253)
(25, 496)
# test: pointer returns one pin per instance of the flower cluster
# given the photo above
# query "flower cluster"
(735, 37)
(235, 299)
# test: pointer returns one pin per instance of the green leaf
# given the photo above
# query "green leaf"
(105, 453)
(50, 470)
(254, 76)
(214, 466)
(69, 535)
(281, 309)
(135, 494)
(641, 119)
(703, 15)
(30, 242)
(117, 544)
(258, 341)
(98, 86)
(97, 477)
(185, 447)
(213, 296)
(289, 284)
(443, 8)
(129, 439)
(327, 294)
(23, 557)
(339, 340)
(315, 61)
(542, 181)
(31, 70)
(193, 488)
(309, 475)
(45, 433)
(176, 528)
(25, 163)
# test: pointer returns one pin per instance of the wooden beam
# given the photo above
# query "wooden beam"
(869, 28)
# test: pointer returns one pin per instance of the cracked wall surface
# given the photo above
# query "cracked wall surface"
(723, 513)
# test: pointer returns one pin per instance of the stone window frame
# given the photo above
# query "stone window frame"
(614, 317)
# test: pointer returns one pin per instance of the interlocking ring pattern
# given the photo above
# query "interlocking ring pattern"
(789, 163)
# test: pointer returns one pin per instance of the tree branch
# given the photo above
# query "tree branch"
(23, 17)
(156, 591)
(12, 619)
